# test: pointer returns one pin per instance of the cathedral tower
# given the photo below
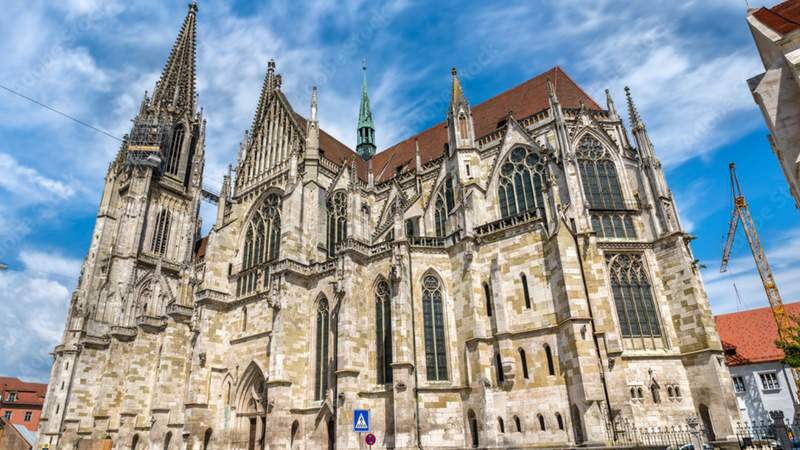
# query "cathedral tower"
(134, 283)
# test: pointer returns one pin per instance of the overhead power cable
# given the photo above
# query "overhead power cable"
(19, 94)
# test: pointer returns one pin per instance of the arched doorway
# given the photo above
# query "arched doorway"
(705, 417)
(473, 428)
(250, 415)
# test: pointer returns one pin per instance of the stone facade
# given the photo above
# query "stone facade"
(777, 90)
(498, 321)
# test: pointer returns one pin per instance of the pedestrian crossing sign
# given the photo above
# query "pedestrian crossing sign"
(361, 420)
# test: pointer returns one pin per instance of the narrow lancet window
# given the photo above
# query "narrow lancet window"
(383, 332)
(433, 315)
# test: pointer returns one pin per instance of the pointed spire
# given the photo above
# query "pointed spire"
(457, 97)
(612, 110)
(314, 104)
(271, 82)
(366, 126)
(551, 93)
(176, 88)
(636, 120)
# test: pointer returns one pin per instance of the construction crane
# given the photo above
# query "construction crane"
(741, 213)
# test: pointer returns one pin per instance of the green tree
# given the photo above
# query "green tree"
(791, 347)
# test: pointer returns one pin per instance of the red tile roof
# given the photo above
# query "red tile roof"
(523, 101)
(27, 393)
(749, 337)
(782, 18)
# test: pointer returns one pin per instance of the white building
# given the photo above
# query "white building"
(762, 382)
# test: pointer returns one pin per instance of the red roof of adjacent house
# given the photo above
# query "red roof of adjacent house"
(782, 18)
(749, 337)
(27, 393)
(522, 101)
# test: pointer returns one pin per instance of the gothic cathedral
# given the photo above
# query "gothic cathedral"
(516, 275)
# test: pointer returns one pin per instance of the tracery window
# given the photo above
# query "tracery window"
(176, 145)
(522, 181)
(337, 220)
(161, 233)
(321, 354)
(383, 332)
(262, 241)
(598, 175)
(445, 202)
(633, 296)
(432, 304)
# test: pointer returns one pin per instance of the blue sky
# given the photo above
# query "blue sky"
(686, 62)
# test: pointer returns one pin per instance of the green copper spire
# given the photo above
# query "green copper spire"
(366, 128)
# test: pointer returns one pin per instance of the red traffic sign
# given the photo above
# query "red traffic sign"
(370, 439)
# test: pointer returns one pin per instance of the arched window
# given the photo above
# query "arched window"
(175, 148)
(525, 293)
(462, 126)
(295, 429)
(440, 217)
(498, 367)
(542, 426)
(488, 296)
(432, 304)
(518, 424)
(161, 233)
(522, 181)
(337, 220)
(670, 393)
(524, 363)
(598, 175)
(548, 354)
(633, 296)
(244, 318)
(321, 366)
(383, 332)
(449, 194)
(473, 427)
(559, 421)
(633, 393)
(677, 392)
(135, 442)
(207, 439)
(167, 438)
(640, 393)
(500, 425)
(262, 241)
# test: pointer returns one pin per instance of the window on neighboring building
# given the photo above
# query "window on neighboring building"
(633, 296)
(598, 175)
(12, 396)
(433, 315)
(28, 415)
(383, 332)
(738, 384)
(7, 415)
(321, 367)
(337, 220)
(522, 181)
(769, 381)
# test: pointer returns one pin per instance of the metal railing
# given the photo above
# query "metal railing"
(623, 432)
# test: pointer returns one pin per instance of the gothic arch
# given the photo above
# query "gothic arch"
(250, 418)
(543, 200)
(145, 299)
(435, 326)
(610, 152)
(252, 211)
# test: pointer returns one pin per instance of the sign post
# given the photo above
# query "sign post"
(370, 440)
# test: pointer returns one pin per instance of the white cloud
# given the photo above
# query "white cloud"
(46, 263)
(31, 324)
(784, 256)
(30, 185)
